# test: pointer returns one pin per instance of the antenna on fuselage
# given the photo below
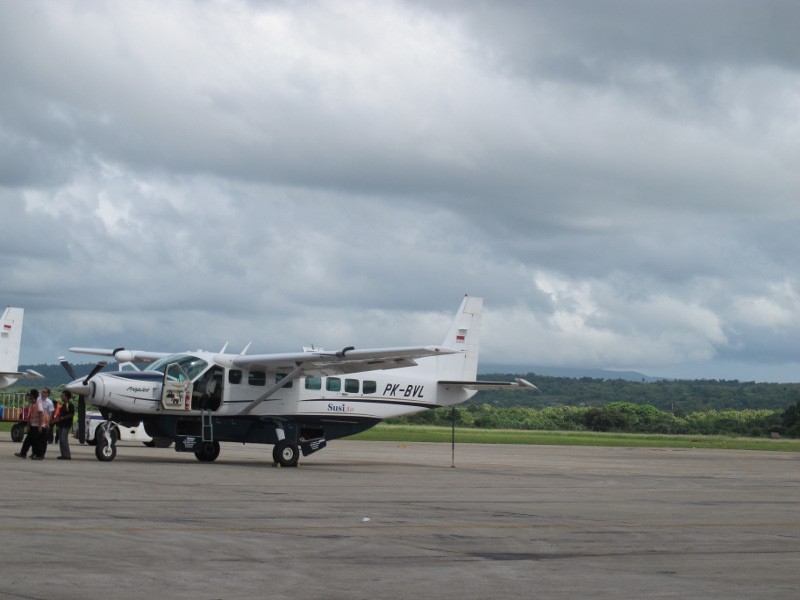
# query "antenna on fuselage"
(246, 348)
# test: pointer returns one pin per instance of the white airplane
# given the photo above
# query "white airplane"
(10, 339)
(295, 401)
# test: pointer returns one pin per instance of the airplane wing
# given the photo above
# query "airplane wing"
(349, 360)
(319, 363)
(121, 355)
(492, 385)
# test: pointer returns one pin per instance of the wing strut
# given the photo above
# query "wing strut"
(296, 372)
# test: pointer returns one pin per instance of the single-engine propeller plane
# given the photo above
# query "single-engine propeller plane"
(294, 401)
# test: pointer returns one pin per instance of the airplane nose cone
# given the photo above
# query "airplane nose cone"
(78, 387)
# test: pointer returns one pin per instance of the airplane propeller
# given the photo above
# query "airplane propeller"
(68, 367)
(81, 397)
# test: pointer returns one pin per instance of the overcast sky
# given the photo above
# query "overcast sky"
(619, 180)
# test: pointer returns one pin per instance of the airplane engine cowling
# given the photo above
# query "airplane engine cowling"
(97, 395)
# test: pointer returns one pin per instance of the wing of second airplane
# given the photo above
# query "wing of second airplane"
(27, 374)
(319, 363)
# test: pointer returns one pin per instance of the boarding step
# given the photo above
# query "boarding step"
(208, 425)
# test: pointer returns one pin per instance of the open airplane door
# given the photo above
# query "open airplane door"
(176, 393)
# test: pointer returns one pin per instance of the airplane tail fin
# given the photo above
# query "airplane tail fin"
(10, 339)
(464, 334)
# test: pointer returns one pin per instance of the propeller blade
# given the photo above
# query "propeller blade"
(97, 368)
(67, 367)
(81, 420)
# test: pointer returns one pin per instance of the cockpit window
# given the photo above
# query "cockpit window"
(193, 365)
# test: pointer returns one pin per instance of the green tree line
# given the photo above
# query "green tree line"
(676, 396)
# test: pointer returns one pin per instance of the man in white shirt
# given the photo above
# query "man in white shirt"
(50, 409)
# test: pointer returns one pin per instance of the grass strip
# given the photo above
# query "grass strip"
(427, 433)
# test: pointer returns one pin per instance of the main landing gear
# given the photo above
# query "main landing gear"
(207, 451)
(286, 453)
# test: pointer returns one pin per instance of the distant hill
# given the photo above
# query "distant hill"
(575, 373)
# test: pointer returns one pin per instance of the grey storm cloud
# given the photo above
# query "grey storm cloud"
(617, 179)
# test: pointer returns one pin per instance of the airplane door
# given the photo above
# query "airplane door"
(176, 392)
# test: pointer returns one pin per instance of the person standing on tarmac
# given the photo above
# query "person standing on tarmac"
(66, 414)
(50, 410)
(36, 418)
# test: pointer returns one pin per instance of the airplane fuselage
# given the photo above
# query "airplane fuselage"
(304, 409)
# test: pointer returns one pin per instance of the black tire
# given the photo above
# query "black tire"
(159, 442)
(164, 442)
(286, 453)
(18, 432)
(207, 452)
(104, 451)
(98, 432)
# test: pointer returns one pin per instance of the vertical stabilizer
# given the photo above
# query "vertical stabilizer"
(10, 338)
(464, 334)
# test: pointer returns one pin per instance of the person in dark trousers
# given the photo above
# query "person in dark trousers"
(36, 435)
(66, 414)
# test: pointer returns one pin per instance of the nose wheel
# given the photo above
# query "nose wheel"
(105, 450)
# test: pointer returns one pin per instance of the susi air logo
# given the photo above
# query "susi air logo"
(340, 407)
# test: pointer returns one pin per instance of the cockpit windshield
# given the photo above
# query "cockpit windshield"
(192, 365)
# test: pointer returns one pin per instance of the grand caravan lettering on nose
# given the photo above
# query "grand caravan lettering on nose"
(409, 391)
(138, 389)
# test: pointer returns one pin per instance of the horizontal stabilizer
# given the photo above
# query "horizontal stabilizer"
(28, 374)
(492, 385)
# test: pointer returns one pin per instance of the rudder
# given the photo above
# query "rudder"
(10, 338)
(464, 334)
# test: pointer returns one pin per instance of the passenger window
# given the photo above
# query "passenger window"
(256, 378)
(351, 386)
(234, 376)
(333, 384)
(370, 387)
(313, 383)
(280, 376)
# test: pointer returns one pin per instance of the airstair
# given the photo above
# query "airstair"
(207, 419)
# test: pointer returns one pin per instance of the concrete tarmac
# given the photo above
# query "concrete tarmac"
(365, 520)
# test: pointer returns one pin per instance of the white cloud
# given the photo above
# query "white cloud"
(309, 173)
